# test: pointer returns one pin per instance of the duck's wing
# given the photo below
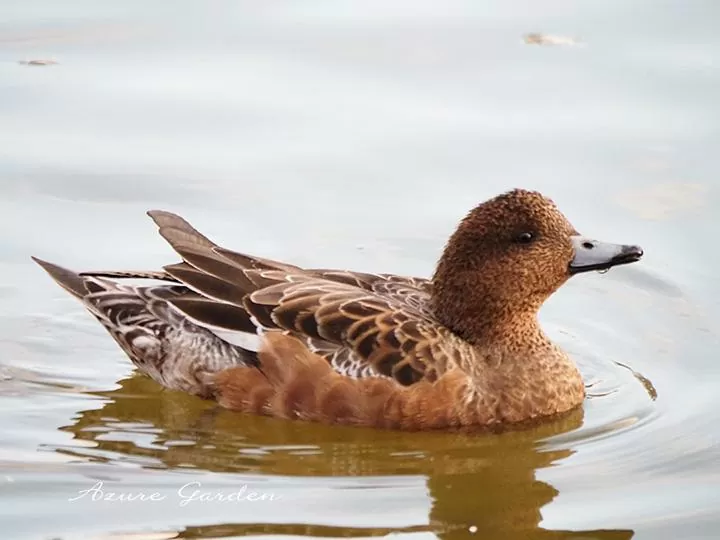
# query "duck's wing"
(159, 275)
(365, 324)
(412, 290)
(372, 334)
(223, 318)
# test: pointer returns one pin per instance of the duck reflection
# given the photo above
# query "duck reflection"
(477, 483)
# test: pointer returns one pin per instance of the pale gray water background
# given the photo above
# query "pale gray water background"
(357, 134)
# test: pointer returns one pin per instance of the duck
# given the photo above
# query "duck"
(461, 350)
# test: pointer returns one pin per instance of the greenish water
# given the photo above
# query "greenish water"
(356, 135)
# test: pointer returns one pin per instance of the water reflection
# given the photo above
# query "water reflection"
(484, 484)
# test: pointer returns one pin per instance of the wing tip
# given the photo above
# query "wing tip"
(161, 215)
(71, 281)
(173, 227)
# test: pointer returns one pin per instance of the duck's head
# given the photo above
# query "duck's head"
(508, 256)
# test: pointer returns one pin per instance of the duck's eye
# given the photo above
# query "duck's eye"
(524, 238)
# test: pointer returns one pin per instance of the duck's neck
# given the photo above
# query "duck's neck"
(515, 339)
(479, 316)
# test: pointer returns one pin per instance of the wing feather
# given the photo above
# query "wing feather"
(363, 324)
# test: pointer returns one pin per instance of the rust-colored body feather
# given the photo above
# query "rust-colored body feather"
(297, 384)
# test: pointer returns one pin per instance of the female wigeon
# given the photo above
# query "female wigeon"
(463, 349)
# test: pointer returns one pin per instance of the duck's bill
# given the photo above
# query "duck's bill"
(593, 255)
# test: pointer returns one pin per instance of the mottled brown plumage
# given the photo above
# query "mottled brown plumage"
(461, 350)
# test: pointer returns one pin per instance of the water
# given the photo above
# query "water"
(356, 135)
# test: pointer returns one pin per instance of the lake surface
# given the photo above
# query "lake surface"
(356, 135)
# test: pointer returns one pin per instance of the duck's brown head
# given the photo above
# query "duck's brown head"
(507, 257)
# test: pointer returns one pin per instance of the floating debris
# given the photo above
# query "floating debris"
(38, 62)
(647, 383)
(536, 38)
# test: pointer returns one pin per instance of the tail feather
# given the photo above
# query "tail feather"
(159, 339)
(67, 279)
